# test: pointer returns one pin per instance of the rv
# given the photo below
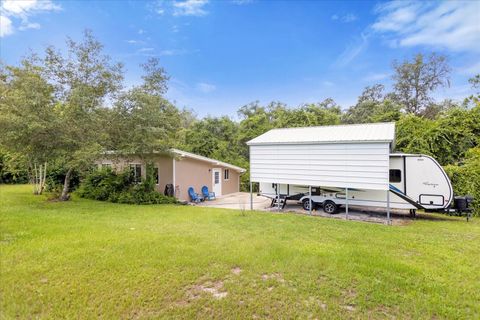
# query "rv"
(416, 182)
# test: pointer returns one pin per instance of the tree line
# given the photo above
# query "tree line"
(61, 109)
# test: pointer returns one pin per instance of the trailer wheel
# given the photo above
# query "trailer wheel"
(306, 204)
(330, 207)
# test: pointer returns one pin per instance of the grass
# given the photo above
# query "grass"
(89, 259)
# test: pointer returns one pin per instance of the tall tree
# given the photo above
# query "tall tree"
(142, 121)
(474, 99)
(28, 118)
(373, 106)
(415, 80)
(373, 94)
(83, 78)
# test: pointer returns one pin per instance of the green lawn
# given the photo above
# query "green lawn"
(88, 259)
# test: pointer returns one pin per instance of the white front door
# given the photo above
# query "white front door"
(217, 181)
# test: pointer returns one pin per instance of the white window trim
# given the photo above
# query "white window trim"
(135, 164)
(226, 170)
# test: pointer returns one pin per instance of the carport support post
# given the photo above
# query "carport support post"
(278, 197)
(251, 196)
(389, 221)
(310, 200)
(346, 203)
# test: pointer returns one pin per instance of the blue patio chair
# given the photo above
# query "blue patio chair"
(208, 195)
(195, 197)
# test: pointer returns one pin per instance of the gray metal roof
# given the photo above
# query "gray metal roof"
(368, 132)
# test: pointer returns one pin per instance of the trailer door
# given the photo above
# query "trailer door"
(397, 173)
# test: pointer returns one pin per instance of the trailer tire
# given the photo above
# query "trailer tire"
(306, 204)
(330, 207)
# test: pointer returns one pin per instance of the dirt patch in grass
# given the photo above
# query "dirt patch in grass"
(312, 301)
(236, 270)
(349, 296)
(212, 288)
(349, 307)
(274, 276)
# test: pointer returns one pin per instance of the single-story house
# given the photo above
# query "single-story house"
(182, 170)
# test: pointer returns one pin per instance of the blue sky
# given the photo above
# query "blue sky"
(221, 55)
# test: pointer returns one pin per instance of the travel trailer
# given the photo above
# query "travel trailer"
(415, 182)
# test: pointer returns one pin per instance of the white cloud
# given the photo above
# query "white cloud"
(205, 87)
(189, 8)
(353, 50)
(452, 25)
(157, 7)
(152, 52)
(5, 26)
(241, 2)
(327, 83)
(22, 10)
(172, 52)
(145, 49)
(470, 70)
(30, 25)
(349, 17)
(375, 77)
(346, 18)
(179, 8)
(26, 7)
(132, 41)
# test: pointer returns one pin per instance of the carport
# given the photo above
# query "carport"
(339, 156)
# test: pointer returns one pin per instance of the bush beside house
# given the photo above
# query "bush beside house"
(106, 185)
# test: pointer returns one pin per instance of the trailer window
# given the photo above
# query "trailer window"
(395, 175)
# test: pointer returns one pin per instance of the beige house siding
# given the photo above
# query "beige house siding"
(189, 173)
(232, 184)
(162, 162)
(165, 171)
(120, 164)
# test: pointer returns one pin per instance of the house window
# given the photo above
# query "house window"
(156, 176)
(226, 174)
(216, 177)
(136, 170)
(395, 175)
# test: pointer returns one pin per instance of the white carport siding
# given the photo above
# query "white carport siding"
(341, 156)
(342, 165)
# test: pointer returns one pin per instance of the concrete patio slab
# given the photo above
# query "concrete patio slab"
(239, 201)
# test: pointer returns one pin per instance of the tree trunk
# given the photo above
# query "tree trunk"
(65, 196)
(44, 178)
(40, 177)
(35, 179)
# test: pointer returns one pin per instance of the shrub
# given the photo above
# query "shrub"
(106, 185)
(10, 171)
(466, 177)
